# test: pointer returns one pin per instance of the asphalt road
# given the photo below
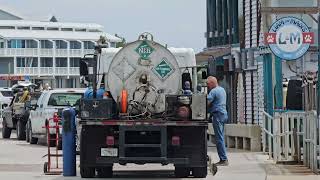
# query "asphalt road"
(20, 160)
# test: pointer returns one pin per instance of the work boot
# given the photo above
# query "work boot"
(222, 163)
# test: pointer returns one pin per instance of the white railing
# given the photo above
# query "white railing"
(57, 71)
(88, 51)
(61, 71)
(46, 71)
(22, 52)
(74, 71)
(46, 52)
(76, 52)
(311, 141)
(2, 51)
(292, 136)
(27, 70)
(61, 52)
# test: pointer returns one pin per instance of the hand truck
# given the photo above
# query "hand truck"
(48, 167)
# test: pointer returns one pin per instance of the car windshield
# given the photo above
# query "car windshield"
(7, 93)
(64, 99)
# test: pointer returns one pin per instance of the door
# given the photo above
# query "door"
(36, 116)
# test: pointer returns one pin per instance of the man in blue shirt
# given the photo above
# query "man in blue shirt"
(217, 98)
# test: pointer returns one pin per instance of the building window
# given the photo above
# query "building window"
(66, 29)
(75, 45)
(16, 43)
(1, 44)
(74, 62)
(61, 62)
(31, 44)
(7, 27)
(61, 44)
(94, 30)
(88, 45)
(46, 62)
(52, 28)
(46, 44)
(81, 30)
(23, 28)
(27, 62)
(37, 28)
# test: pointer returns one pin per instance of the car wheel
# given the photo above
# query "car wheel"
(6, 131)
(21, 130)
(32, 140)
(27, 132)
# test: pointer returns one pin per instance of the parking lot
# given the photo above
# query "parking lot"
(20, 160)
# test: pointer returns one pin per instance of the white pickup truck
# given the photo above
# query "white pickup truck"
(49, 103)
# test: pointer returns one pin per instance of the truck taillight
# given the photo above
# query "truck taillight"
(175, 141)
(110, 140)
(55, 117)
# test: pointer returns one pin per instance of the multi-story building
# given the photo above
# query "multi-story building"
(46, 52)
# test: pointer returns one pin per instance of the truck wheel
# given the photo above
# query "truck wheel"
(105, 172)
(27, 132)
(32, 140)
(181, 172)
(199, 172)
(87, 172)
(6, 131)
(21, 130)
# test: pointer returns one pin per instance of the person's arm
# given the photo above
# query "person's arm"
(210, 98)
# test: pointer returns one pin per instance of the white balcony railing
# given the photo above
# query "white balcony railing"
(48, 71)
(27, 70)
(76, 52)
(88, 51)
(74, 71)
(61, 52)
(21, 52)
(61, 71)
(46, 52)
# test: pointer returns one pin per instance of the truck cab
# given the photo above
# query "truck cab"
(50, 102)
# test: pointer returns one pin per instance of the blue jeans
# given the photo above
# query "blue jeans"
(218, 120)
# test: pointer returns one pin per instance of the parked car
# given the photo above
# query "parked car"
(49, 103)
(6, 96)
(15, 116)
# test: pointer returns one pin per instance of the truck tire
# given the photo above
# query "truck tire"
(6, 131)
(181, 172)
(27, 132)
(87, 172)
(200, 172)
(32, 140)
(105, 172)
(21, 130)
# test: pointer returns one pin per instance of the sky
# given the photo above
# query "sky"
(177, 23)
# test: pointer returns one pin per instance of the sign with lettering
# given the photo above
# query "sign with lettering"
(163, 69)
(12, 78)
(144, 50)
(289, 38)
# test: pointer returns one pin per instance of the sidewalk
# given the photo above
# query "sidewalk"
(244, 165)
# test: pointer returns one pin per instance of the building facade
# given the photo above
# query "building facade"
(45, 52)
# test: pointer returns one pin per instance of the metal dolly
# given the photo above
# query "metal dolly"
(48, 168)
